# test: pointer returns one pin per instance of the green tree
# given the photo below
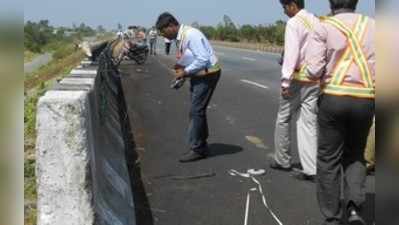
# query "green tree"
(101, 29)
(248, 32)
(209, 31)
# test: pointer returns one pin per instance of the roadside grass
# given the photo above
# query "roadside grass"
(64, 59)
(30, 194)
(28, 56)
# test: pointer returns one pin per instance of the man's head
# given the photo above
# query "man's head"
(292, 7)
(349, 5)
(167, 25)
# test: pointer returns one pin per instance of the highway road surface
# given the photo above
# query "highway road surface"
(241, 117)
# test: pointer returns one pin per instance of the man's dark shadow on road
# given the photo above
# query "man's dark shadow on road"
(218, 149)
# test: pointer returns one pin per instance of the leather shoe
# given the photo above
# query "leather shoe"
(192, 156)
(300, 175)
(274, 165)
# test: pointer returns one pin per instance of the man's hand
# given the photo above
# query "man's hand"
(285, 84)
(180, 73)
(285, 92)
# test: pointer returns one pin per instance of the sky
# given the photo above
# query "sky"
(145, 12)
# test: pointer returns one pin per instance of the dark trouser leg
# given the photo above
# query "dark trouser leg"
(155, 47)
(167, 48)
(152, 47)
(201, 93)
(344, 123)
(330, 149)
(353, 160)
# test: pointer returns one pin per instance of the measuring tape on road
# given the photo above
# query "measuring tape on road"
(251, 173)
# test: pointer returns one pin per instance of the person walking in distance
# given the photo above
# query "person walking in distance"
(153, 36)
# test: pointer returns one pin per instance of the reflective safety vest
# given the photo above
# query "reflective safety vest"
(352, 54)
(302, 73)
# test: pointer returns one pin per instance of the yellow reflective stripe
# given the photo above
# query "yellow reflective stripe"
(214, 68)
(354, 43)
(349, 91)
(346, 60)
(302, 75)
(360, 31)
(305, 22)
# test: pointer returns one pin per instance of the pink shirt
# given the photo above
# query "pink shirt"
(296, 43)
(329, 44)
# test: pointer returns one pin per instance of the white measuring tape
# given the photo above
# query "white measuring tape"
(251, 174)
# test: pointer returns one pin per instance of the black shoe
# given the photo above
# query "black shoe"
(300, 175)
(354, 218)
(274, 165)
(192, 156)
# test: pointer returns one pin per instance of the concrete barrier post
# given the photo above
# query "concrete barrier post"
(63, 161)
(82, 175)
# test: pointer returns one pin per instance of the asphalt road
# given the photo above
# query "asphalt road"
(241, 116)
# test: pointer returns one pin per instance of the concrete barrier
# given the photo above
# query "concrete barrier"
(83, 137)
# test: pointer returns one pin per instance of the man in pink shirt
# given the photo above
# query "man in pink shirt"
(342, 57)
(298, 95)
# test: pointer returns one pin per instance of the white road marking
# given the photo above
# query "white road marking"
(249, 59)
(255, 84)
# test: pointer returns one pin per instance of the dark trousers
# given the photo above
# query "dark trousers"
(167, 48)
(153, 43)
(201, 90)
(344, 123)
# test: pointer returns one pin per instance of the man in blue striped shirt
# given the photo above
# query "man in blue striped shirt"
(198, 62)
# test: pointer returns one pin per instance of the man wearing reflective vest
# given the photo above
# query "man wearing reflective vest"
(298, 95)
(342, 57)
(198, 62)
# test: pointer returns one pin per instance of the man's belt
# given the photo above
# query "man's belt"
(209, 71)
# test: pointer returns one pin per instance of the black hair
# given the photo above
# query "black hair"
(299, 3)
(166, 19)
(343, 4)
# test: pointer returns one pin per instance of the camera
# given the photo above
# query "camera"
(177, 83)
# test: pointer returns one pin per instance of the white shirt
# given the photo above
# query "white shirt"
(196, 50)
